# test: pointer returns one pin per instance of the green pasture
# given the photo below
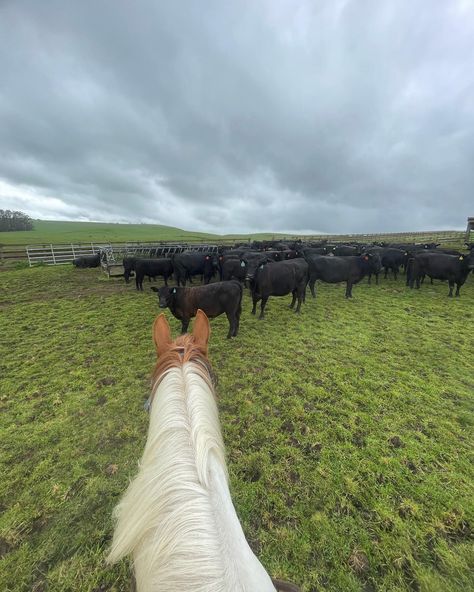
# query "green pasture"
(348, 428)
(53, 231)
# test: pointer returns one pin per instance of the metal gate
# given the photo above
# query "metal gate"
(60, 254)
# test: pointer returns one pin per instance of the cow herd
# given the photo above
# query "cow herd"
(283, 268)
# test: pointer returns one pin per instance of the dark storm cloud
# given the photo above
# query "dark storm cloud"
(244, 116)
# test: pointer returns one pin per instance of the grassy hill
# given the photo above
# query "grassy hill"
(53, 231)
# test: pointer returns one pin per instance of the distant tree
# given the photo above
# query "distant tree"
(14, 221)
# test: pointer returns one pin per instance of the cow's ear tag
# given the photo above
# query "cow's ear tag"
(173, 291)
(461, 258)
(242, 264)
(366, 258)
(261, 266)
(207, 258)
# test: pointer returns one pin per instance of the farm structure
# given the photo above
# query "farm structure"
(111, 254)
(469, 228)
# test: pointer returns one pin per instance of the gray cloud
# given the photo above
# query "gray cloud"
(246, 116)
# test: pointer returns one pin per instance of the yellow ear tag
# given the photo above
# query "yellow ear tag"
(461, 258)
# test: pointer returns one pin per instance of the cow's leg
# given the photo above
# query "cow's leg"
(138, 281)
(230, 318)
(386, 273)
(255, 299)
(451, 286)
(349, 289)
(395, 272)
(311, 284)
(369, 277)
(262, 307)
(237, 323)
(300, 295)
(293, 300)
(184, 324)
(165, 277)
(457, 290)
(376, 279)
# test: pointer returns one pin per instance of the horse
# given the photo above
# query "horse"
(176, 518)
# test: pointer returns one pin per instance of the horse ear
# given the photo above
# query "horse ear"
(201, 330)
(161, 334)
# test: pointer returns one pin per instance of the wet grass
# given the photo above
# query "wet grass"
(348, 431)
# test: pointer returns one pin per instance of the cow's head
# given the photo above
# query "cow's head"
(165, 295)
(468, 259)
(211, 262)
(373, 261)
(251, 264)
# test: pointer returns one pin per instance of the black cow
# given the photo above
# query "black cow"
(188, 264)
(128, 266)
(214, 299)
(87, 261)
(291, 254)
(279, 279)
(390, 259)
(333, 270)
(345, 251)
(453, 268)
(275, 255)
(233, 269)
(314, 251)
(225, 256)
(152, 268)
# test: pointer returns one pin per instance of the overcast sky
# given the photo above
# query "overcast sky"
(241, 116)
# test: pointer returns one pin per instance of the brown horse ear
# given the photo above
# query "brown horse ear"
(201, 330)
(161, 334)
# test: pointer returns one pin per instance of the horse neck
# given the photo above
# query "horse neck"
(177, 518)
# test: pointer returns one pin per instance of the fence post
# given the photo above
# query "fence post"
(93, 250)
(52, 253)
(73, 252)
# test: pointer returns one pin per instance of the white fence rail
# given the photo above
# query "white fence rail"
(60, 254)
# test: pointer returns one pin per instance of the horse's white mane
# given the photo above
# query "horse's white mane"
(176, 516)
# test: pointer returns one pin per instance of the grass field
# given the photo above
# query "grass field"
(53, 231)
(348, 429)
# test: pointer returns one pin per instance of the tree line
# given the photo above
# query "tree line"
(11, 220)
